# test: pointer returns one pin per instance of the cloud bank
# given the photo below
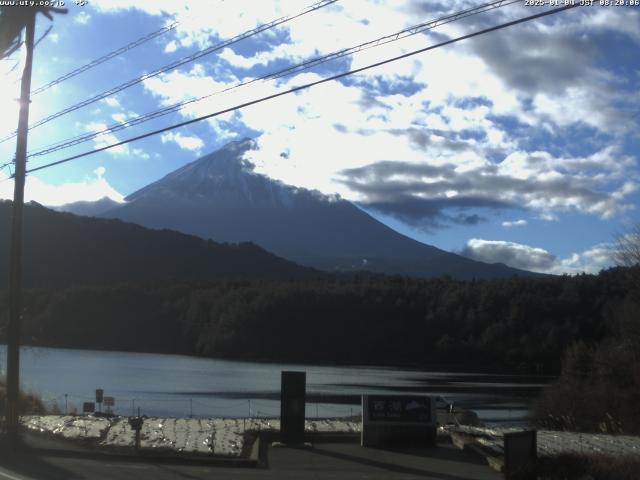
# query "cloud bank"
(91, 189)
(535, 259)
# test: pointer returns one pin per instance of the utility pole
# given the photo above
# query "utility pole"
(15, 268)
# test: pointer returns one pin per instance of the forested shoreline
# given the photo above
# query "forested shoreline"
(518, 324)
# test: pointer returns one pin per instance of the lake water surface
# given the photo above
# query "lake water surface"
(175, 385)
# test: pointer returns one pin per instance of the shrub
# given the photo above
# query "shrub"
(29, 403)
(597, 467)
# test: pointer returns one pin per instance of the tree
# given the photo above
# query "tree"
(627, 254)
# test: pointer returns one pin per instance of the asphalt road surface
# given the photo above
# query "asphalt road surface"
(322, 461)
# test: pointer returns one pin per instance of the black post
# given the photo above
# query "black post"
(15, 268)
(520, 455)
(292, 407)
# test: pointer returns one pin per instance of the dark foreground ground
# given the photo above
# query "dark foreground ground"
(320, 461)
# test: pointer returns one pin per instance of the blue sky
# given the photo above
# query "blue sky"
(520, 146)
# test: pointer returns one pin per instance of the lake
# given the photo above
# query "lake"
(181, 386)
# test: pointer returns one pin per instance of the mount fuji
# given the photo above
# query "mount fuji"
(220, 197)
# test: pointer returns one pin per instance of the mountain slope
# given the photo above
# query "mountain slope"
(220, 197)
(61, 249)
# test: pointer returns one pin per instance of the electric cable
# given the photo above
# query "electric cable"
(175, 64)
(105, 58)
(306, 65)
(310, 84)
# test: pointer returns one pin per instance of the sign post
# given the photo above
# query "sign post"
(136, 426)
(109, 403)
(292, 407)
(99, 398)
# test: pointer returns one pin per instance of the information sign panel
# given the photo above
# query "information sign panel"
(399, 409)
(389, 420)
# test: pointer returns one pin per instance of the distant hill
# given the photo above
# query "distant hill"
(61, 249)
(220, 197)
(87, 208)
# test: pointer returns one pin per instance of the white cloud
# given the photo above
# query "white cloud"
(483, 63)
(514, 223)
(106, 139)
(123, 116)
(171, 47)
(178, 86)
(111, 101)
(525, 257)
(447, 115)
(138, 152)
(510, 253)
(90, 189)
(548, 217)
(591, 260)
(82, 18)
(240, 61)
(185, 142)
(196, 26)
(119, 117)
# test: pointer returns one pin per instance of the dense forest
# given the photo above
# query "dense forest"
(512, 324)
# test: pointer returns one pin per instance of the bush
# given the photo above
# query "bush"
(598, 389)
(596, 467)
(29, 403)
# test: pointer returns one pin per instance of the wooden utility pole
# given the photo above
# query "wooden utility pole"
(15, 266)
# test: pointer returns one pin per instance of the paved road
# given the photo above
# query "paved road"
(338, 461)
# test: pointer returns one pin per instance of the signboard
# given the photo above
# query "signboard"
(292, 407)
(99, 395)
(88, 407)
(385, 408)
(109, 401)
(389, 420)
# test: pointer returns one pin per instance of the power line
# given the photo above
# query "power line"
(105, 58)
(306, 65)
(7, 165)
(281, 73)
(407, 32)
(176, 64)
(309, 85)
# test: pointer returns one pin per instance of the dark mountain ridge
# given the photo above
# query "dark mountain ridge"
(220, 197)
(62, 249)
